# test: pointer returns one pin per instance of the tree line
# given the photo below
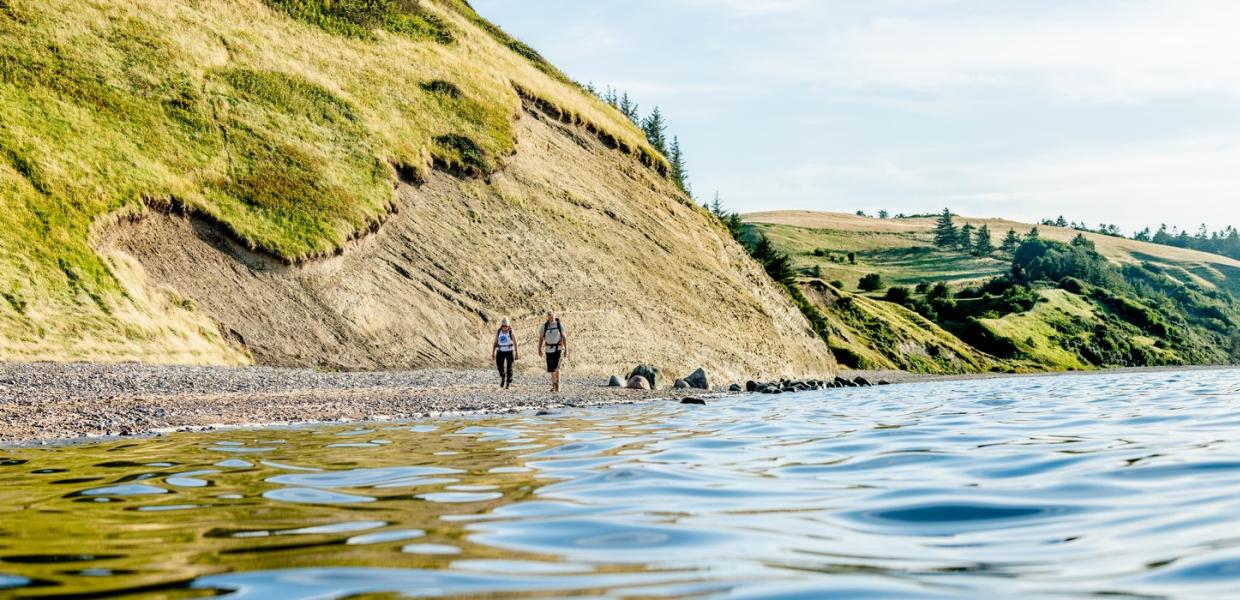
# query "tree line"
(974, 240)
(654, 125)
(1224, 242)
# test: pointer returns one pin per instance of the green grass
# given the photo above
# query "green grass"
(360, 18)
(1034, 334)
(871, 334)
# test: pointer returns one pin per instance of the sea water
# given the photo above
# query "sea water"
(1120, 485)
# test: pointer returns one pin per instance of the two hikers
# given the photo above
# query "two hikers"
(552, 344)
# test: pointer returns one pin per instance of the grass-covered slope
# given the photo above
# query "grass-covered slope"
(285, 121)
(291, 132)
(1073, 302)
(866, 333)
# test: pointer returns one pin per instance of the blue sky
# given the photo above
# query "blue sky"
(1123, 111)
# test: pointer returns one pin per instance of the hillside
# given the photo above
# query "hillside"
(1118, 302)
(349, 185)
(903, 249)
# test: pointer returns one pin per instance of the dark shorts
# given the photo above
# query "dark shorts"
(553, 361)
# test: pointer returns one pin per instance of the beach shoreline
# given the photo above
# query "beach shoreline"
(67, 403)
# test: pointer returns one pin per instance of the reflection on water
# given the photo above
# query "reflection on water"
(1125, 485)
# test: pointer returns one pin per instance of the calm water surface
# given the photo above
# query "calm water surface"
(1124, 485)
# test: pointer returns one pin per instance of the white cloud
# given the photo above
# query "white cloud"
(1182, 182)
(1127, 51)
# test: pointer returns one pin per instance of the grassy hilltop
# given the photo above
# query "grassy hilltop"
(1108, 302)
(142, 140)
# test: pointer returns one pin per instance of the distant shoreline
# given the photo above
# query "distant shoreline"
(68, 403)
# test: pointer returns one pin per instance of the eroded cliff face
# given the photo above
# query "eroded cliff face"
(635, 270)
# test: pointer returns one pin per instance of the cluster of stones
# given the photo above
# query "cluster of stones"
(646, 377)
(786, 385)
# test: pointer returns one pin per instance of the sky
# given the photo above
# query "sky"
(1118, 111)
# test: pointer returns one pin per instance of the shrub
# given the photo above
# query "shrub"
(898, 294)
(837, 284)
(1074, 285)
(923, 287)
(870, 282)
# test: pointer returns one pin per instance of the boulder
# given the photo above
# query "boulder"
(883, 382)
(736, 387)
(615, 381)
(841, 382)
(698, 401)
(649, 373)
(751, 386)
(697, 380)
(637, 382)
(681, 384)
(863, 382)
(768, 389)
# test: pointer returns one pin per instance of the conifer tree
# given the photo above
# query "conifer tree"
(680, 175)
(629, 108)
(1032, 235)
(656, 130)
(966, 237)
(983, 246)
(945, 234)
(716, 206)
(1011, 242)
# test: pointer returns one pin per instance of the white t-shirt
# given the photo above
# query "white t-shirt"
(505, 341)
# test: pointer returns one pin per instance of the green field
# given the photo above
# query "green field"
(900, 258)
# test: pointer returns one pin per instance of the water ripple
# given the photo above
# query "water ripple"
(1116, 485)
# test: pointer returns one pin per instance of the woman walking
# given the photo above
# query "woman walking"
(504, 352)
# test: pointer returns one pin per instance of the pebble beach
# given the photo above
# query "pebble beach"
(41, 402)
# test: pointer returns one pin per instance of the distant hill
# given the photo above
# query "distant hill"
(1189, 295)
(345, 185)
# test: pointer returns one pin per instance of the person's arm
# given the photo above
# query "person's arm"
(563, 344)
(516, 354)
(494, 346)
(542, 338)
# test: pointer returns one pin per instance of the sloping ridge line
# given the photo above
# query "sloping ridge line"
(256, 256)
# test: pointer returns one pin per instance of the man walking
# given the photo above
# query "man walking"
(553, 344)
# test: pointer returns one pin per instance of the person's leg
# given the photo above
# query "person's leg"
(553, 367)
(499, 364)
(508, 360)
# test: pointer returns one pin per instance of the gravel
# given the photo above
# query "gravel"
(71, 401)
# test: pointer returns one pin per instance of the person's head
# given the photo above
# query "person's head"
(503, 324)
(551, 316)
